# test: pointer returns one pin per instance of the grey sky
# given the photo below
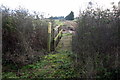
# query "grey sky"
(55, 7)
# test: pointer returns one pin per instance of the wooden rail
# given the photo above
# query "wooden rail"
(54, 36)
(59, 34)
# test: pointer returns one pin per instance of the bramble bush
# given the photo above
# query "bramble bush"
(23, 36)
(97, 42)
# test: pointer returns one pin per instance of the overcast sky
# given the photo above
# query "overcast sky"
(55, 7)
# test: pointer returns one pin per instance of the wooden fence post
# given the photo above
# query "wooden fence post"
(49, 37)
(53, 39)
(61, 32)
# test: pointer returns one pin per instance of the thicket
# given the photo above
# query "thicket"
(97, 43)
(24, 37)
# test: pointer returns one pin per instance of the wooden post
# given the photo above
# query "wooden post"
(61, 33)
(59, 29)
(53, 39)
(49, 37)
(54, 44)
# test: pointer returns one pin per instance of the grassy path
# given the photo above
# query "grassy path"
(57, 65)
(65, 42)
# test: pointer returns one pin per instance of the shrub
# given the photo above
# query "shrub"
(96, 40)
(22, 35)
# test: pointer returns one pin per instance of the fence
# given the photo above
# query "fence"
(54, 36)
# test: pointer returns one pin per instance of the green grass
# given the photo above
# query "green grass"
(66, 34)
(59, 65)
(9, 75)
(58, 22)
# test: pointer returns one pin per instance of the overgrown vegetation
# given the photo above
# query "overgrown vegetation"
(97, 43)
(24, 36)
(24, 48)
(59, 65)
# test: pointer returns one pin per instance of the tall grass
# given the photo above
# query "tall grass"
(97, 42)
